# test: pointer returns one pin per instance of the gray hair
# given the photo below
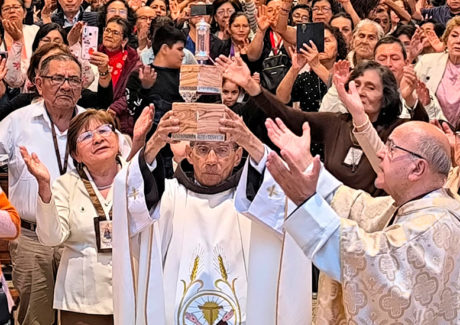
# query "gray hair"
(435, 153)
(364, 22)
(44, 66)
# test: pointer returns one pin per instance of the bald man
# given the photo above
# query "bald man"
(396, 258)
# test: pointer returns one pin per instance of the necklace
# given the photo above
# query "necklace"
(100, 188)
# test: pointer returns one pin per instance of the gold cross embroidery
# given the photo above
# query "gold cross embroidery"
(272, 191)
(133, 193)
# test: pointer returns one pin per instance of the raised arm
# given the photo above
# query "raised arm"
(284, 90)
(255, 48)
(364, 132)
(238, 72)
(400, 11)
(349, 9)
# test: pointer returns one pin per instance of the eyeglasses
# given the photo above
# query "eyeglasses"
(8, 9)
(58, 80)
(112, 31)
(391, 146)
(220, 151)
(104, 131)
(299, 16)
(122, 12)
(222, 12)
(145, 18)
(322, 9)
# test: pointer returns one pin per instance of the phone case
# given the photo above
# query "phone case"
(89, 41)
(310, 32)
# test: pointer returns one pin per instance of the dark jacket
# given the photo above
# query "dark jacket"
(90, 18)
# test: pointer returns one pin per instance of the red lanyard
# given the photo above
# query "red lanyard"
(275, 47)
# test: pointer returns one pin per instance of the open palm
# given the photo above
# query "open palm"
(35, 166)
(234, 70)
(283, 138)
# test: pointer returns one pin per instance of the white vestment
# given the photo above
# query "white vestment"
(194, 260)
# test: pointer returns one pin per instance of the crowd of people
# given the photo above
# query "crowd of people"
(346, 158)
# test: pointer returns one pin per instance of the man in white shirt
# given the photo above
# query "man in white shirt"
(42, 127)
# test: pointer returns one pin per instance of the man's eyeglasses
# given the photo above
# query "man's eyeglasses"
(220, 151)
(322, 9)
(145, 18)
(112, 31)
(104, 130)
(58, 80)
(300, 16)
(8, 9)
(391, 146)
(121, 12)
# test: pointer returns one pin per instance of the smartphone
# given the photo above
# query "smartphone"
(201, 10)
(3, 54)
(89, 40)
(310, 32)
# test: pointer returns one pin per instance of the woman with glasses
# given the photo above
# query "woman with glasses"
(343, 157)
(123, 59)
(223, 10)
(117, 8)
(76, 212)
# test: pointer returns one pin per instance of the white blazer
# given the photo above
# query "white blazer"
(84, 277)
(430, 69)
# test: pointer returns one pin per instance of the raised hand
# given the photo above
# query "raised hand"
(48, 8)
(168, 124)
(74, 35)
(423, 93)
(263, 21)
(408, 83)
(147, 76)
(435, 42)
(298, 59)
(174, 9)
(237, 131)
(311, 53)
(341, 71)
(351, 100)
(234, 70)
(100, 60)
(13, 29)
(143, 34)
(297, 184)
(283, 138)
(143, 123)
(416, 45)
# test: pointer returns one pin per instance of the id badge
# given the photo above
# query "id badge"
(103, 229)
(353, 157)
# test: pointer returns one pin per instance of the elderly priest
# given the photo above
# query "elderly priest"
(408, 271)
(183, 254)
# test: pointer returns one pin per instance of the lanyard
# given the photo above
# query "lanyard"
(275, 47)
(92, 195)
(62, 169)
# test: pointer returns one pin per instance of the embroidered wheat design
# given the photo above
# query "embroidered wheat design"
(194, 273)
(223, 271)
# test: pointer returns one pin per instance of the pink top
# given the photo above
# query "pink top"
(448, 93)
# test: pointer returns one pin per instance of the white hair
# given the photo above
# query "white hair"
(364, 22)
